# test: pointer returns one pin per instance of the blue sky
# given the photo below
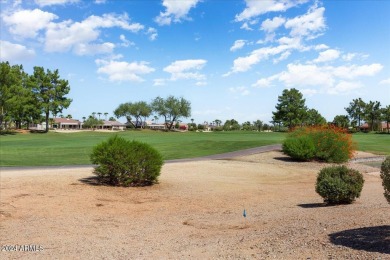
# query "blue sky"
(231, 59)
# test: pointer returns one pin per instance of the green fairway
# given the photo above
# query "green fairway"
(74, 148)
(374, 143)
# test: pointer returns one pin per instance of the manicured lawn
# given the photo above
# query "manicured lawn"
(74, 148)
(374, 143)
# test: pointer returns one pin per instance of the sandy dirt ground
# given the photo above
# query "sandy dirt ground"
(195, 212)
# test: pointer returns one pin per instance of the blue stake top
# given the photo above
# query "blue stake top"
(244, 213)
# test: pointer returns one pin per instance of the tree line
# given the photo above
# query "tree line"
(170, 108)
(291, 111)
(26, 99)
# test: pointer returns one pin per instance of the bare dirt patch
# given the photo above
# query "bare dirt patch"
(196, 211)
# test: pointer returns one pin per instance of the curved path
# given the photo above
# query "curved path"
(223, 156)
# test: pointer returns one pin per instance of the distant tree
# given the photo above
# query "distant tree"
(356, 110)
(50, 91)
(17, 100)
(138, 110)
(386, 116)
(341, 121)
(112, 119)
(290, 108)
(124, 110)
(313, 117)
(84, 118)
(94, 114)
(69, 116)
(372, 112)
(266, 127)
(247, 126)
(231, 125)
(258, 124)
(92, 122)
(171, 109)
(218, 122)
(99, 114)
(105, 115)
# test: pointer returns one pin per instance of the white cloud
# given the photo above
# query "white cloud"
(238, 44)
(271, 25)
(354, 71)
(15, 52)
(152, 32)
(123, 71)
(329, 79)
(308, 91)
(321, 47)
(27, 23)
(255, 8)
(263, 83)
(242, 64)
(69, 35)
(201, 83)
(175, 11)
(309, 24)
(92, 49)
(306, 75)
(344, 87)
(186, 69)
(245, 26)
(243, 91)
(385, 82)
(125, 42)
(100, 2)
(328, 55)
(42, 3)
(283, 56)
(159, 82)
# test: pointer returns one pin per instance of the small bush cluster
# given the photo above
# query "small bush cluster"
(126, 163)
(385, 175)
(325, 143)
(339, 184)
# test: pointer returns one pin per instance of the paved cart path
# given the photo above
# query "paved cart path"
(223, 156)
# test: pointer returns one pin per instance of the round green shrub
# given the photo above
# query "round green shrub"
(385, 175)
(331, 144)
(126, 163)
(339, 184)
(300, 148)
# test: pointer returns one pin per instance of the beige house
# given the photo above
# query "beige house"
(113, 125)
(66, 123)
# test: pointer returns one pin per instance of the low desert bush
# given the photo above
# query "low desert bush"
(339, 184)
(385, 175)
(126, 163)
(331, 144)
(300, 148)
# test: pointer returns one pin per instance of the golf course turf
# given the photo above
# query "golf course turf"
(74, 148)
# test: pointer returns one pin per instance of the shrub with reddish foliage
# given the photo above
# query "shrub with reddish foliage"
(332, 144)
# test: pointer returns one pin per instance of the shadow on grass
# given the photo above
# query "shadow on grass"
(371, 239)
(7, 132)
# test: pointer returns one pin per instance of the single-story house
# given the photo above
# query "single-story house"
(157, 126)
(382, 127)
(113, 125)
(66, 123)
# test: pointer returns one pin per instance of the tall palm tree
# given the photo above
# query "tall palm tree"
(105, 116)
(99, 114)
(84, 118)
(94, 114)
